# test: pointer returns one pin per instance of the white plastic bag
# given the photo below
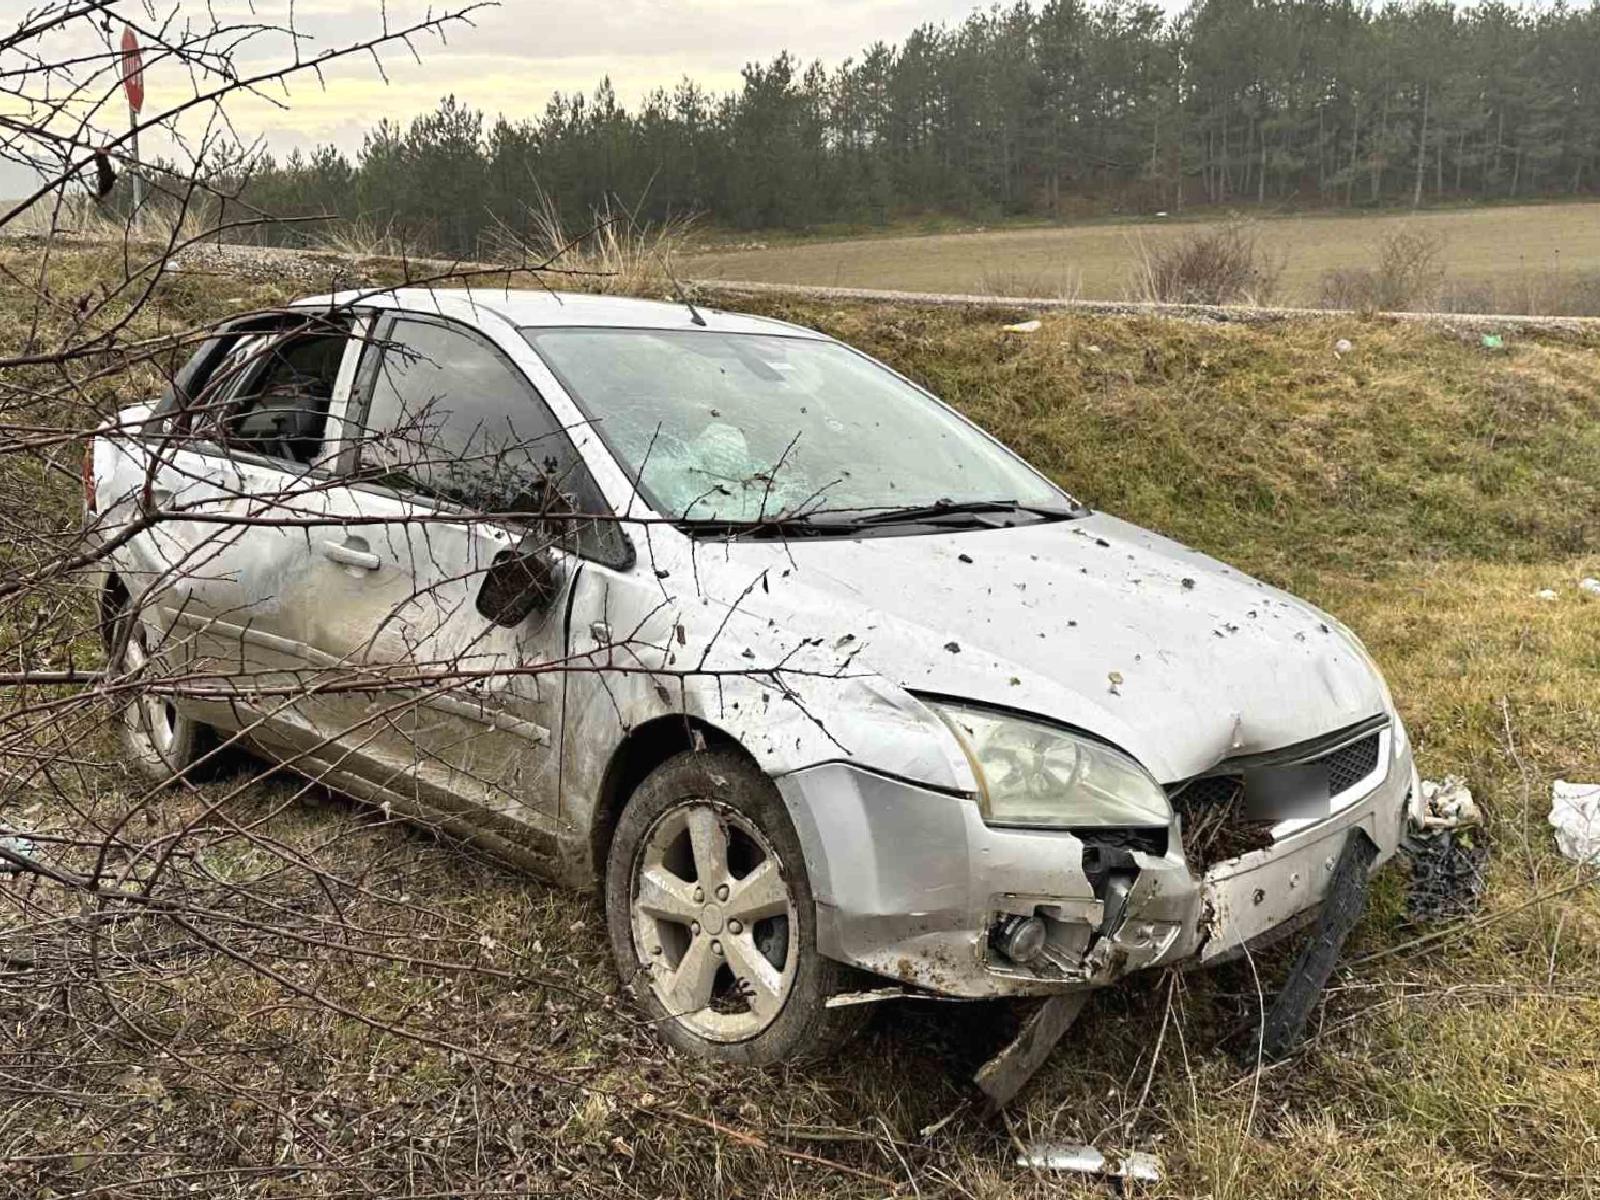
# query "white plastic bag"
(1575, 813)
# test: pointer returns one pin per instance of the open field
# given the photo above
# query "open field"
(1509, 249)
(457, 1030)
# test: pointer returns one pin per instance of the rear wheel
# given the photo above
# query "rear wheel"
(712, 920)
(161, 741)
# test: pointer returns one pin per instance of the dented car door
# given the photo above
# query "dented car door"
(439, 706)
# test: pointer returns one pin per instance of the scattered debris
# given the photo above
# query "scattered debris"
(1447, 860)
(1284, 1023)
(1342, 347)
(1023, 327)
(1546, 594)
(1449, 804)
(1008, 1072)
(1575, 813)
(1589, 586)
(1493, 341)
(1132, 1164)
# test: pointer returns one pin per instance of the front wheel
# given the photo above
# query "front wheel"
(712, 920)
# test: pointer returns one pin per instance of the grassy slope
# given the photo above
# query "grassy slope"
(1493, 244)
(1421, 488)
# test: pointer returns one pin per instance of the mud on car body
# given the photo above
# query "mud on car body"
(825, 688)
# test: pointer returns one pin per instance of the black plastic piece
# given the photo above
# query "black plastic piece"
(1285, 1022)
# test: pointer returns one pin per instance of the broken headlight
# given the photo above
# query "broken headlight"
(1035, 775)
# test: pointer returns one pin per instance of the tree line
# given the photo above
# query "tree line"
(1061, 108)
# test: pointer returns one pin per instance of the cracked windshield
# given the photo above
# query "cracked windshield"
(747, 427)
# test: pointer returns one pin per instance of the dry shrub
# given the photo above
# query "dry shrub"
(1223, 264)
(615, 252)
(1407, 275)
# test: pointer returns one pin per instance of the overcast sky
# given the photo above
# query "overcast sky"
(514, 56)
(520, 53)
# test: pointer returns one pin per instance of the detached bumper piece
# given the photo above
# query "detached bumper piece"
(1007, 1073)
(1342, 907)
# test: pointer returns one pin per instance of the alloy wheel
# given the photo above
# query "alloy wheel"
(713, 921)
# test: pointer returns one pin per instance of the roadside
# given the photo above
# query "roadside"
(323, 270)
(1421, 486)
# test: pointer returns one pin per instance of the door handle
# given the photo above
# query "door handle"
(352, 553)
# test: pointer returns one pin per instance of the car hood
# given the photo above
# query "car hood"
(1173, 656)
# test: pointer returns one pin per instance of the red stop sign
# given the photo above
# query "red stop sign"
(132, 70)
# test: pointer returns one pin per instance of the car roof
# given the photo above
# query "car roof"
(539, 308)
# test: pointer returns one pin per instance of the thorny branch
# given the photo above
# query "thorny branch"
(221, 978)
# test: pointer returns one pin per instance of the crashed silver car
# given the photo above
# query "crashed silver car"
(832, 695)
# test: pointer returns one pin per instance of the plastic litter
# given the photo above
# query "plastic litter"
(1493, 341)
(1447, 860)
(1133, 1164)
(1589, 587)
(1575, 813)
(1546, 594)
(1449, 804)
(1342, 347)
(1023, 327)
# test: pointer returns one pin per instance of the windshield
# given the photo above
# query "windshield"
(749, 427)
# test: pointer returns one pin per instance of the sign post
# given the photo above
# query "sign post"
(133, 84)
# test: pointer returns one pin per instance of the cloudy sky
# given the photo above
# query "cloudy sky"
(510, 58)
(516, 55)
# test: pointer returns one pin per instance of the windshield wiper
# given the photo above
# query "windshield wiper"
(786, 525)
(939, 510)
(836, 523)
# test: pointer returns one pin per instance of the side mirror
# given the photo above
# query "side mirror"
(519, 581)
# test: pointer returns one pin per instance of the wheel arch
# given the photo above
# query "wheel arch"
(113, 601)
(646, 746)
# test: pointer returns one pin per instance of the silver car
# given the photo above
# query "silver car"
(831, 694)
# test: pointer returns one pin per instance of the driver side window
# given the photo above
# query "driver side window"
(451, 419)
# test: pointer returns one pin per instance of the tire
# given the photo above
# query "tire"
(719, 947)
(161, 741)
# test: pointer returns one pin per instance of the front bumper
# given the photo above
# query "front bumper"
(909, 882)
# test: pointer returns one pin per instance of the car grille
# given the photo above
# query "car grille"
(1350, 764)
(1211, 807)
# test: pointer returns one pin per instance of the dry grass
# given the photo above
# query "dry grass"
(615, 252)
(363, 239)
(1486, 245)
(1419, 487)
(1059, 282)
(78, 218)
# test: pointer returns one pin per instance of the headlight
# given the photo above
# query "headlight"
(1031, 774)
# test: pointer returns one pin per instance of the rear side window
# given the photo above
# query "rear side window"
(451, 419)
(270, 395)
(263, 385)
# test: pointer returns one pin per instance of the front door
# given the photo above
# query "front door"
(422, 695)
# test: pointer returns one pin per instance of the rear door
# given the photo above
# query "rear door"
(426, 698)
(247, 462)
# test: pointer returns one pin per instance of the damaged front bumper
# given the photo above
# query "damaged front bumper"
(911, 884)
